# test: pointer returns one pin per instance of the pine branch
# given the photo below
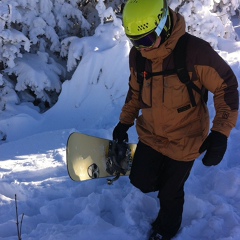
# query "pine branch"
(180, 5)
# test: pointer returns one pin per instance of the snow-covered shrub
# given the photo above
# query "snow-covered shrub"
(8, 95)
(37, 27)
(208, 19)
(39, 72)
(75, 48)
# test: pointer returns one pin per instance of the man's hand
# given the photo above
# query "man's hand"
(120, 132)
(216, 145)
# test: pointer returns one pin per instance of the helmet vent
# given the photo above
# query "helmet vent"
(143, 26)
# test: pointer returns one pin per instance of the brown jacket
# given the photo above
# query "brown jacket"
(166, 123)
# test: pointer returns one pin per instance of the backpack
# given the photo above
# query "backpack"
(179, 55)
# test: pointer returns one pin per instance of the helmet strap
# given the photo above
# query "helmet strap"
(166, 32)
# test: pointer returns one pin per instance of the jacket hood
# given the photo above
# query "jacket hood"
(167, 47)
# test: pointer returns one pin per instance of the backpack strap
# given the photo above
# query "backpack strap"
(140, 62)
(180, 53)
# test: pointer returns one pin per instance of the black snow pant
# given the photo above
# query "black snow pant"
(152, 171)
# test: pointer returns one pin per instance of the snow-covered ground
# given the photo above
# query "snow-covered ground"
(33, 162)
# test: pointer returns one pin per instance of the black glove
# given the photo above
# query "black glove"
(120, 132)
(216, 145)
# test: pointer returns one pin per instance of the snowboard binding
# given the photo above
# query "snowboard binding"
(119, 160)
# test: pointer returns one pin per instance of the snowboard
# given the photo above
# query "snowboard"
(90, 157)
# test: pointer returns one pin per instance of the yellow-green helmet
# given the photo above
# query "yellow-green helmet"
(143, 16)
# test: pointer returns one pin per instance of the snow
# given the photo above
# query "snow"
(33, 159)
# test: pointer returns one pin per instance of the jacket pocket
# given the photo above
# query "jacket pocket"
(175, 93)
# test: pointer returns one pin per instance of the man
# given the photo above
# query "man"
(173, 130)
